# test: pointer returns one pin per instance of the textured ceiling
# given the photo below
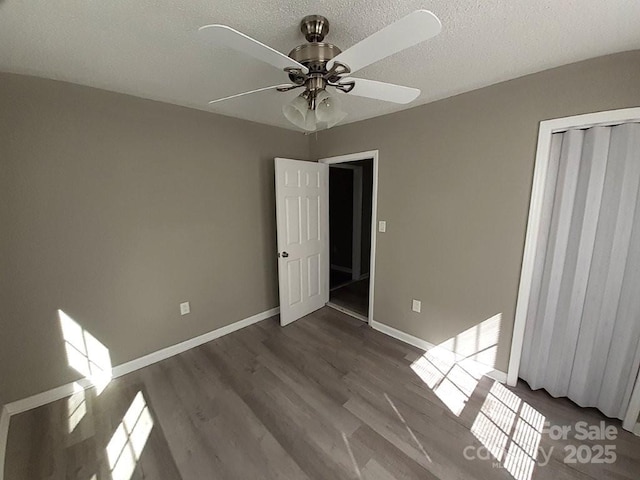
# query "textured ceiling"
(150, 48)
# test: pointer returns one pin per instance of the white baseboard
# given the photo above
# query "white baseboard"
(346, 311)
(5, 417)
(154, 357)
(497, 375)
(63, 391)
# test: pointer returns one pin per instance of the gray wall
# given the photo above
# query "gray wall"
(116, 209)
(454, 187)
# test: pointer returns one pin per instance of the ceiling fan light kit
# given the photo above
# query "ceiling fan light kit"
(312, 113)
(317, 66)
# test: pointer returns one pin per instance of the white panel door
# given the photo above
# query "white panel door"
(302, 211)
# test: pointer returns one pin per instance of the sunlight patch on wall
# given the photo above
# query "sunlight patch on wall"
(478, 343)
(85, 353)
(76, 407)
(511, 430)
(129, 439)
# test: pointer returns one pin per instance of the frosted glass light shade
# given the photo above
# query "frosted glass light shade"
(328, 112)
(311, 122)
(296, 111)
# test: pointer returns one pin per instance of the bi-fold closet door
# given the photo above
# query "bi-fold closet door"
(583, 322)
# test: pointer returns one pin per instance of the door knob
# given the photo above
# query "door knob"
(285, 254)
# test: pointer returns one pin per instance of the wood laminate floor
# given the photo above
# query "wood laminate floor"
(354, 297)
(323, 398)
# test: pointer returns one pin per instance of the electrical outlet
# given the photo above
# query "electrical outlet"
(416, 306)
(185, 308)
(382, 226)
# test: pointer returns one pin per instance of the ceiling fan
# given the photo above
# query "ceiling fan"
(317, 65)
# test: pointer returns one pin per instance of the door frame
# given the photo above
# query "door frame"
(547, 129)
(354, 157)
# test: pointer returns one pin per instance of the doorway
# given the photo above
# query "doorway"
(351, 234)
(302, 228)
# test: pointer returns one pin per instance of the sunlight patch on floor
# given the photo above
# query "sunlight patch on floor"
(507, 427)
(433, 366)
(452, 396)
(409, 429)
(128, 441)
(453, 368)
(76, 407)
(449, 381)
(511, 430)
(353, 458)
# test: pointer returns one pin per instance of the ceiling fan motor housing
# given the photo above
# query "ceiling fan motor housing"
(314, 28)
(315, 54)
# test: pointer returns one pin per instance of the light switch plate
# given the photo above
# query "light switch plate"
(185, 308)
(416, 306)
(382, 226)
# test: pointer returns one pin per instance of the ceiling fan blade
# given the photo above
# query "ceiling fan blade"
(382, 91)
(227, 36)
(272, 87)
(416, 27)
